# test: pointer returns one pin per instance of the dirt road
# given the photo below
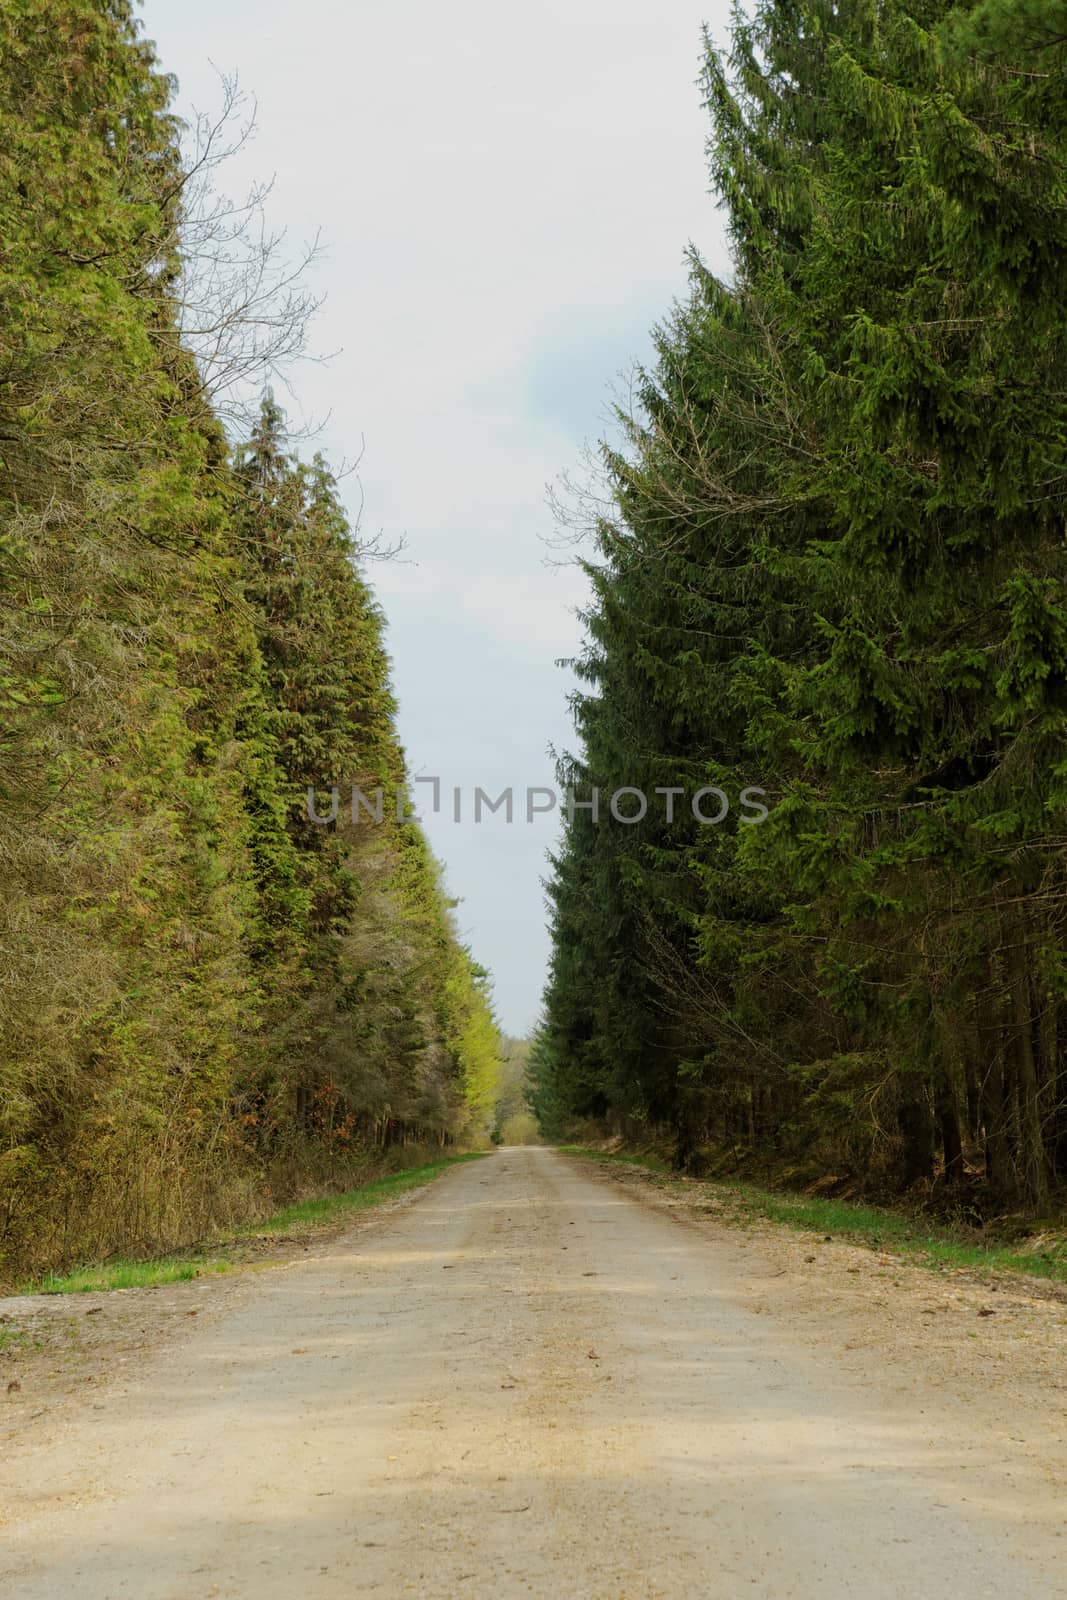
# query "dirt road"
(528, 1382)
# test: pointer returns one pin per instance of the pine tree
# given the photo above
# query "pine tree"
(837, 556)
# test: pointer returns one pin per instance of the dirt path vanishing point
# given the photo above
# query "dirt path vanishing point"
(527, 1381)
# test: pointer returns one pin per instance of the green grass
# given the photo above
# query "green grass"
(180, 1269)
(880, 1229)
(897, 1232)
(124, 1275)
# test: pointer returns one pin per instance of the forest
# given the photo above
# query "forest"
(828, 558)
(718, 1246)
(208, 1003)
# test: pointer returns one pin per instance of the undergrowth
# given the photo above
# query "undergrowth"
(132, 1274)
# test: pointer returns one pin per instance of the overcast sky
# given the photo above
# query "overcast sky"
(505, 195)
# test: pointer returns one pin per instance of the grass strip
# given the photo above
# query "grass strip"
(123, 1274)
(877, 1227)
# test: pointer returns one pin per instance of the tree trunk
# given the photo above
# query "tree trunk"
(916, 1124)
(1033, 1164)
(1000, 1176)
(948, 1119)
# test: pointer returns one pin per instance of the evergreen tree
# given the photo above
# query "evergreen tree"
(205, 999)
(836, 569)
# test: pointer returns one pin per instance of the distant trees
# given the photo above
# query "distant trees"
(203, 995)
(835, 568)
(514, 1122)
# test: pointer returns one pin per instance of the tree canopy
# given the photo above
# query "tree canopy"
(834, 568)
(206, 999)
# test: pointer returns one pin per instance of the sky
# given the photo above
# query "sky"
(504, 197)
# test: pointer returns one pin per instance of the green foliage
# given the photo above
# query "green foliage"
(835, 568)
(514, 1086)
(203, 994)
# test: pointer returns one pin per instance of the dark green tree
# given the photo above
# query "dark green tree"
(835, 568)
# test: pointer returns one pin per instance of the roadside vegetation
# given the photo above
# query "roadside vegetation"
(1037, 1249)
(304, 1217)
(209, 1003)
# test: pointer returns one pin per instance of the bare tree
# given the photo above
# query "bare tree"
(244, 307)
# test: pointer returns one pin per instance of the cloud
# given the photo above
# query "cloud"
(534, 612)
